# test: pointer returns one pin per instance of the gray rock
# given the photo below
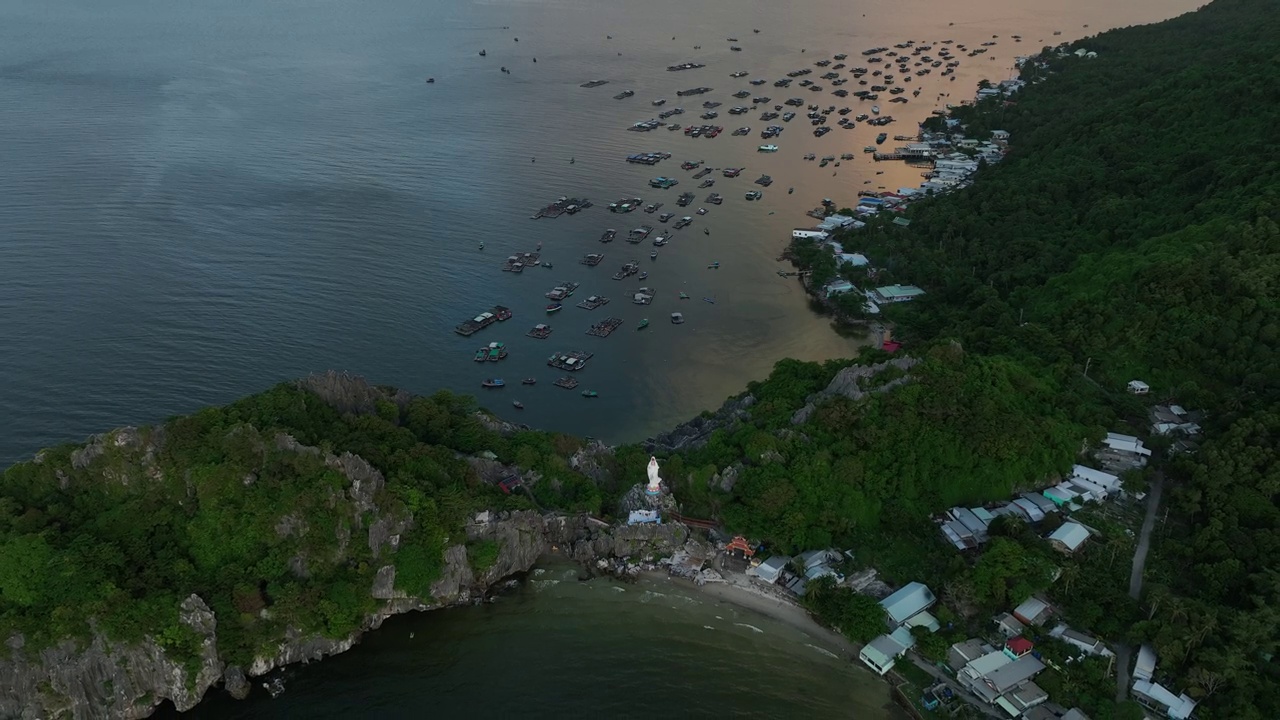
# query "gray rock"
(235, 683)
(849, 383)
(696, 432)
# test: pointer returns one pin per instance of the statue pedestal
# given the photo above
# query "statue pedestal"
(639, 498)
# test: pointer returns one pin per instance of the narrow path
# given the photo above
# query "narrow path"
(1144, 538)
(1123, 652)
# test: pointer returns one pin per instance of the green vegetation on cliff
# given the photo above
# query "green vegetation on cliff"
(256, 508)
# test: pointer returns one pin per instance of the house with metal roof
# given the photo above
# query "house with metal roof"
(1006, 678)
(880, 654)
(1046, 506)
(1159, 698)
(896, 293)
(770, 570)
(902, 605)
(1069, 537)
(1145, 666)
(1008, 625)
(963, 653)
(1033, 611)
(1023, 698)
(1030, 511)
(1086, 643)
(1106, 480)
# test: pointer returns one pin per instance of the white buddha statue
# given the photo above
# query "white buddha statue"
(655, 482)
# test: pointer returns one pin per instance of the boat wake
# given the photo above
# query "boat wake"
(749, 627)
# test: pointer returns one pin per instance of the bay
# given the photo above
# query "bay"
(200, 200)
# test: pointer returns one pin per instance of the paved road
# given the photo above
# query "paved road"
(1123, 652)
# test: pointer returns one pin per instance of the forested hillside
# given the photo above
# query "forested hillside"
(1132, 232)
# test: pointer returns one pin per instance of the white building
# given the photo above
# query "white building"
(809, 234)
(1137, 387)
(880, 654)
(906, 603)
(770, 570)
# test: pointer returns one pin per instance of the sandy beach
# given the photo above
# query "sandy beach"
(740, 591)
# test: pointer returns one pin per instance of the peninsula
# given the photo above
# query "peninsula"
(1067, 452)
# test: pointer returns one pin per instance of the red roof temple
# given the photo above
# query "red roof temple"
(739, 545)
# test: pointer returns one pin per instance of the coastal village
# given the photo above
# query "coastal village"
(992, 673)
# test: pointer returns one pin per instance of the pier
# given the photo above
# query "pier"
(539, 332)
(594, 302)
(605, 327)
(562, 206)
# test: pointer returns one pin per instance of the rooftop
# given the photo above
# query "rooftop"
(908, 601)
(1071, 535)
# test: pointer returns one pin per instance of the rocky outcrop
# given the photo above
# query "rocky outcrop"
(696, 432)
(104, 679)
(850, 383)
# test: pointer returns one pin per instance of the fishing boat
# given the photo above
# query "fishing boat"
(712, 266)
(710, 300)
(644, 275)
(684, 296)
(554, 307)
(590, 394)
(529, 381)
(643, 324)
(653, 255)
(493, 383)
(482, 354)
(517, 404)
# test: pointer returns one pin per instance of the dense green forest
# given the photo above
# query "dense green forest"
(215, 504)
(1132, 231)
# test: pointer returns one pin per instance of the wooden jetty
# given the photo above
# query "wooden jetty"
(562, 206)
(518, 262)
(568, 383)
(572, 361)
(594, 302)
(495, 314)
(540, 331)
(592, 259)
(605, 327)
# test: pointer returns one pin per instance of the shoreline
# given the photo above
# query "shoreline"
(743, 595)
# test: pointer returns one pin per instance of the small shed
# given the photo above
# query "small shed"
(1137, 387)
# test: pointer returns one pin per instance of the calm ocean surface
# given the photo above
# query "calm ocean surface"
(198, 200)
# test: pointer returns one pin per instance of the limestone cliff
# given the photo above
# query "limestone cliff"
(103, 679)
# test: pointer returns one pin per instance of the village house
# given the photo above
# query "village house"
(911, 600)
(1069, 537)
(1087, 644)
(1016, 647)
(896, 293)
(1033, 611)
(770, 570)
(1155, 696)
(997, 679)
(809, 234)
(963, 653)
(1123, 452)
(1008, 625)
(837, 287)
(1137, 387)
(881, 653)
(1174, 420)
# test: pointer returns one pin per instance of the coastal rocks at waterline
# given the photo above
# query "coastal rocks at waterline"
(696, 432)
(103, 679)
(99, 677)
(853, 381)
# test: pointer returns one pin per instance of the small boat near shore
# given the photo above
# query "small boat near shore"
(643, 324)
(590, 394)
(529, 381)
(493, 383)
(554, 307)
(517, 404)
